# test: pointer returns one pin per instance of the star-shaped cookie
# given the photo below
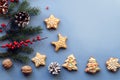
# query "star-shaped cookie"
(52, 22)
(39, 59)
(61, 43)
(113, 64)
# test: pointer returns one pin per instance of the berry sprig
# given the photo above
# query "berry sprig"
(3, 26)
(14, 0)
(14, 45)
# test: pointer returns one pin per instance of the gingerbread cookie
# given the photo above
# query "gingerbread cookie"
(61, 43)
(92, 66)
(39, 59)
(52, 22)
(113, 64)
(70, 63)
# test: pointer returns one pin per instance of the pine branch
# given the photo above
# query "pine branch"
(33, 11)
(11, 7)
(15, 57)
(13, 37)
(32, 30)
(28, 30)
(23, 6)
(2, 38)
(11, 10)
(4, 55)
(26, 50)
(21, 34)
(20, 58)
(21, 37)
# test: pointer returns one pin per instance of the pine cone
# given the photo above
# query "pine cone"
(3, 6)
(54, 68)
(22, 19)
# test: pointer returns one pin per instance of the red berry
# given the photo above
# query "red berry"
(7, 45)
(38, 38)
(12, 47)
(11, 0)
(3, 46)
(27, 41)
(1, 30)
(15, 42)
(33, 40)
(22, 42)
(31, 43)
(3, 25)
(18, 46)
(25, 44)
(10, 44)
(47, 8)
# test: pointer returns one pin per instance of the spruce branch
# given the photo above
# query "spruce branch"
(15, 57)
(23, 6)
(4, 55)
(33, 11)
(13, 37)
(20, 58)
(11, 7)
(2, 38)
(21, 34)
(32, 30)
(27, 50)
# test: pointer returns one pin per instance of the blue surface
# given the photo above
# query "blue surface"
(92, 28)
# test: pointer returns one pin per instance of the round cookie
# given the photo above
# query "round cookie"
(26, 69)
(7, 63)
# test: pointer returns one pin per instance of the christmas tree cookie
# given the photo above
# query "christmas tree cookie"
(70, 63)
(92, 66)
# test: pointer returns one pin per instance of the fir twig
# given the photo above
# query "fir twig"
(21, 37)
(21, 34)
(23, 6)
(2, 38)
(4, 55)
(20, 58)
(33, 11)
(11, 7)
(31, 30)
(26, 50)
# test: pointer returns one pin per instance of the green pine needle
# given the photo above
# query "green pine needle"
(32, 30)
(20, 58)
(27, 50)
(11, 7)
(2, 38)
(4, 55)
(23, 6)
(33, 11)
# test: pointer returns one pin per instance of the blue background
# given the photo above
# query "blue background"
(92, 28)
